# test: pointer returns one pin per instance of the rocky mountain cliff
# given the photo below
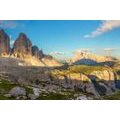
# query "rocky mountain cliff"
(4, 43)
(24, 50)
(22, 46)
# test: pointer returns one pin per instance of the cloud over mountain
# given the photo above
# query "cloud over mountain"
(104, 27)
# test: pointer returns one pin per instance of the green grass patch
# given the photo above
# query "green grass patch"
(64, 95)
(3, 97)
(28, 90)
(6, 86)
(86, 69)
(55, 96)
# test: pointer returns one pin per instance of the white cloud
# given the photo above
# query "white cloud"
(57, 53)
(10, 24)
(110, 49)
(104, 27)
(82, 50)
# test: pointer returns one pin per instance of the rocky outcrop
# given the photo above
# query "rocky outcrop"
(104, 81)
(76, 81)
(22, 46)
(97, 83)
(4, 43)
(106, 75)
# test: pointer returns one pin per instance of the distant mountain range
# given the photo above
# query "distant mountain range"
(24, 50)
(91, 59)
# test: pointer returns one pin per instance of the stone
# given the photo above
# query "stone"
(32, 96)
(83, 97)
(17, 91)
(36, 91)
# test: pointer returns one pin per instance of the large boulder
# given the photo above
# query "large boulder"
(22, 46)
(82, 97)
(32, 96)
(17, 91)
(4, 43)
(36, 91)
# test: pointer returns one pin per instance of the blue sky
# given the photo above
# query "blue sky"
(62, 38)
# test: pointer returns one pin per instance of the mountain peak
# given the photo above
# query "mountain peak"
(22, 36)
(4, 43)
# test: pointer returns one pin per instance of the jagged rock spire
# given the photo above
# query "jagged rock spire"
(4, 43)
(22, 46)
